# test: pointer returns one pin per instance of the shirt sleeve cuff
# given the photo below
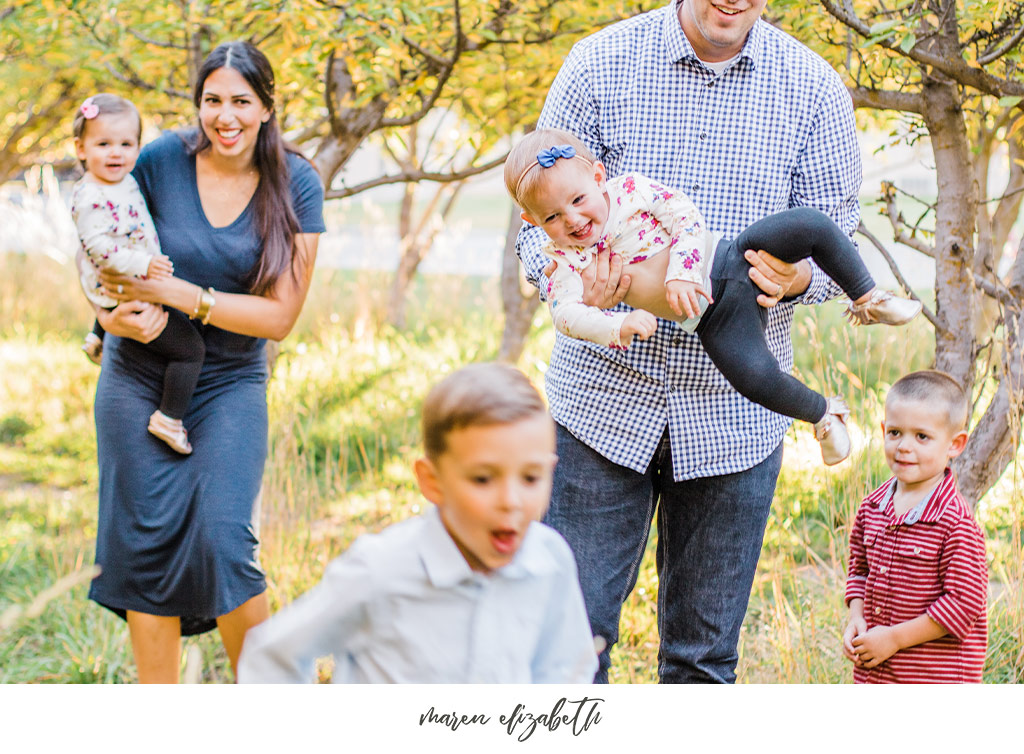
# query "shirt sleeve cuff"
(820, 289)
(855, 588)
(952, 616)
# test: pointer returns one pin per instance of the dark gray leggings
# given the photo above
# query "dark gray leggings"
(183, 347)
(732, 329)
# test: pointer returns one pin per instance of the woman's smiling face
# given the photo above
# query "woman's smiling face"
(231, 114)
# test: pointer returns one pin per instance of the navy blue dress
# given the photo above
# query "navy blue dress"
(177, 535)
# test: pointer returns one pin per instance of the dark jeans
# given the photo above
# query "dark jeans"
(709, 539)
(183, 347)
(732, 328)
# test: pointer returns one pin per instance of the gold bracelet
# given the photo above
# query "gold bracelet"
(206, 305)
(195, 309)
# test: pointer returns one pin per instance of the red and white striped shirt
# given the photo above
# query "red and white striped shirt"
(929, 560)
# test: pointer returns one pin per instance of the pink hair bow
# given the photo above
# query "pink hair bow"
(89, 109)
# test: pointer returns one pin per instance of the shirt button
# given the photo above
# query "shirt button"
(711, 83)
(703, 135)
(917, 550)
(671, 388)
(878, 610)
(696, 187)
(883, 569)
(677, 341)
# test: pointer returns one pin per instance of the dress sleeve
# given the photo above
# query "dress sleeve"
(963, 571)
(307, 196)
(97, 219)
(857, 570)
(284, 649)
(828, 173)
(565, 653)
(568, 312)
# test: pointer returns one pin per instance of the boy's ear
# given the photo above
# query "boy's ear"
(882, 425)
(527, 217)
(958, 443)
(426, 478)
(600, 174)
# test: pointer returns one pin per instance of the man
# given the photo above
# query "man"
(705, 96)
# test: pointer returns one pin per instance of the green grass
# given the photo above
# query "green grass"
(344, 406)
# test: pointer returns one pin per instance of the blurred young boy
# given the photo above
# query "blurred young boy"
(475, 590)
(918, 580)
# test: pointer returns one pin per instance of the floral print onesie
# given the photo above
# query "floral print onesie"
(116, 231)
(644, 219)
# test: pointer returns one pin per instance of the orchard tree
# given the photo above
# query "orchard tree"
(952, 71)
(348, 72)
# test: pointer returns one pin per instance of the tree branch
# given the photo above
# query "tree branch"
(156, 43)
(898, 224)
(957, 69)
(133, 79)
(414, 176)
(899, 275)
(994, 290)
(445, 73)
(881, 99)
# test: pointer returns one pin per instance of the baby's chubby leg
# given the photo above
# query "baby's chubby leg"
(647, 287)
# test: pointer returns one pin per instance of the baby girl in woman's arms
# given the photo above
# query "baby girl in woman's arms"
(701, 281)
(117, 234)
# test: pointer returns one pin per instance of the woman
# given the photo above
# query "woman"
(239, 216)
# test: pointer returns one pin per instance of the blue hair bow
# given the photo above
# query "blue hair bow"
(547, 157)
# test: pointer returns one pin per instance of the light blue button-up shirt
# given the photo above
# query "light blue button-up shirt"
(403, 606)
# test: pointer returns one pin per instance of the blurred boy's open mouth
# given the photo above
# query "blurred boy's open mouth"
(504, 540)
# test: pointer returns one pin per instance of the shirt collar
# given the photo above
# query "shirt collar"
(678, 47)
(445, 566)
(943, 499)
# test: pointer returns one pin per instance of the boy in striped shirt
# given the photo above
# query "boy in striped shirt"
(918, 580)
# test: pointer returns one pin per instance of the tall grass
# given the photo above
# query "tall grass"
(344, 407)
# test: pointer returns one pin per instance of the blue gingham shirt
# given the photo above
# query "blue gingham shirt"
(774, 130)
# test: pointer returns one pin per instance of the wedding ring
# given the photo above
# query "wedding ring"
(120, 288)
(778, 293)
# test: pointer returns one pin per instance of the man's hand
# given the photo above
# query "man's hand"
(683, 296)
(776, 278)
(856, 626)
(160, 266)
(604, 284)
(639, 323)
(876, 646)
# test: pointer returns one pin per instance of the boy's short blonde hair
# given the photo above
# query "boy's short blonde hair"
(519, 180)
(936, 388)
(476, 395)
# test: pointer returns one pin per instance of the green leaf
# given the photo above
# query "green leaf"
(908, 42)
(883, 26)
(1010, 101)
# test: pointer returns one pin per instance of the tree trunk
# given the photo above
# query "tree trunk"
(955, 292)
(412, 254)
(993, 442)
(417, 241)
(518, 306)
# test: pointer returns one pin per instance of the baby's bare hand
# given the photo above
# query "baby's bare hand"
(639, 323)
(683, 296)
(160, 266)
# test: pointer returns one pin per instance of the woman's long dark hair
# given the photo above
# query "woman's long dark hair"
(275, 218)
